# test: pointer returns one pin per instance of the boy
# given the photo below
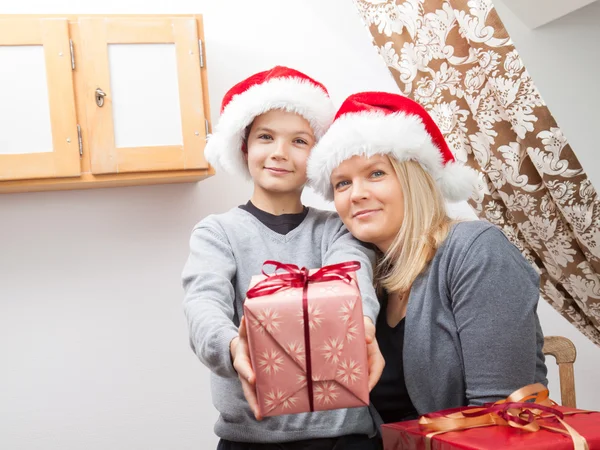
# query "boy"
(268, 125)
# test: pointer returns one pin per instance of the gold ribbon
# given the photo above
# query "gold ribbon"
(527, 409)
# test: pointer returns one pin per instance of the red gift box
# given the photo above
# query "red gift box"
(320, 310)
(503, 425)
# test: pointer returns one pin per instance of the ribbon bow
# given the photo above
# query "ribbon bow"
(295, 277)
(526, 408)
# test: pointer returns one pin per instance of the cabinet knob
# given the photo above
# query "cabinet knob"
(100, 94)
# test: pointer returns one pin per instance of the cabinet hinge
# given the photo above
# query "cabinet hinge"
(72, 54)
(206, 127)
(79, 140)
(201, 52)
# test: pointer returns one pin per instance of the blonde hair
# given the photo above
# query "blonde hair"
(425, 226)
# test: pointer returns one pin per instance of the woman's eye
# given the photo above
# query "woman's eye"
(342, 184)
(300, 141)
(265, 137)
(377, 173)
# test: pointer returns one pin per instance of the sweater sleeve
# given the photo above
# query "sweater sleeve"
(342, 247)
(494, 293)
(209, 298)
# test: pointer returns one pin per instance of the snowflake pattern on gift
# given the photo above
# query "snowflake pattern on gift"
(278, 397)
(349, 371)
(301, 379)
(290, 293)
(315, 317)
(326, 392)
(332, 350)
(267, 319)
(347, 309)
(351, 331)
(289, 402)
(270, 361)
(296, 351)
(331, 289)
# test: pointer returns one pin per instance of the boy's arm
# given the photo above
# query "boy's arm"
(344, 247)
(209, 298)
(341, 247)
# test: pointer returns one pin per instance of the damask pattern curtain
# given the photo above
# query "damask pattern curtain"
(456, 58)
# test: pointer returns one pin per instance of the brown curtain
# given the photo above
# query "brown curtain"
(456, 58)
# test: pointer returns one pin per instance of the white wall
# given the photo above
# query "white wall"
(535, 13)
(93, 343)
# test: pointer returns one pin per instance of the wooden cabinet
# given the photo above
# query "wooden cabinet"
(38, 123)
(99, 101)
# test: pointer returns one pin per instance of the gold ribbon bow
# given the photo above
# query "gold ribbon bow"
(528, 408)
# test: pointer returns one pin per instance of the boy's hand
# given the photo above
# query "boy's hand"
(374, 357)
(240, 355)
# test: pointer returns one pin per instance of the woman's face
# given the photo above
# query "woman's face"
(368, 197)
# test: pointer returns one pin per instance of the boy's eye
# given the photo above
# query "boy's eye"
(265, 137)
(342, 184)
(300, 141)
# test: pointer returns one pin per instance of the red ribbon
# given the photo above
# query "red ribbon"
(295, 277)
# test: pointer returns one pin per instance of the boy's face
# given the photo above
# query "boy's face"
(279, 144)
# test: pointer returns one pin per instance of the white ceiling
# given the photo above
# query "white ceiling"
(535, 13)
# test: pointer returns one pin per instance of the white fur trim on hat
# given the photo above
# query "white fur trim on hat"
(224, 147)
(397, 134)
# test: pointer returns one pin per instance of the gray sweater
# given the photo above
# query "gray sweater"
(472, 334)
(226, 250)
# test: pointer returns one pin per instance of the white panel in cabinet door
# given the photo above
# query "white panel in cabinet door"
(145, 95)
(24, 108)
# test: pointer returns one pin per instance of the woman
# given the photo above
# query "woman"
(458, 323)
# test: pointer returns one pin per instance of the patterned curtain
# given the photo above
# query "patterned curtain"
(456, 58)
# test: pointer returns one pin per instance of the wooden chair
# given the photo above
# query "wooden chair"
(564, 351)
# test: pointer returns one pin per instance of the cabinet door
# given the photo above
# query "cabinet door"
(38, 123)
(143, 94)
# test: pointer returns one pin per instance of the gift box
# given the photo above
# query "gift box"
(504, 425)
(307, 340)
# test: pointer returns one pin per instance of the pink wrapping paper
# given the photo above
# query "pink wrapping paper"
(275, 325)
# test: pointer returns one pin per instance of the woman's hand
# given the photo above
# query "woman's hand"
(240, 354)
(375, 359)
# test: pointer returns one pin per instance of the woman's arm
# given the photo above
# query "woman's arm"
(494, 293)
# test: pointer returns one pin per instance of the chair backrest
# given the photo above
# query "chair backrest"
(565, 353)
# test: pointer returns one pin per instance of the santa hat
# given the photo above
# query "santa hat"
(371, 123)
(278, 88)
